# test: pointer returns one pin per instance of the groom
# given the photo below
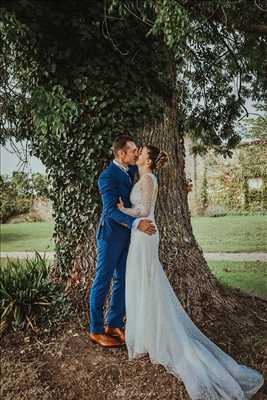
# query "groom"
(113, 239)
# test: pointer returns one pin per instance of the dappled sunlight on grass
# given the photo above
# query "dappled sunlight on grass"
(231, 233)
(250, 277)
(27, 236)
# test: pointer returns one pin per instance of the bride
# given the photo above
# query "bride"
(157, 324)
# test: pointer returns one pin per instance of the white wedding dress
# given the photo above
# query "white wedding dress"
(157, 324)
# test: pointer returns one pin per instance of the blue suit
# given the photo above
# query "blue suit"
(112, 239)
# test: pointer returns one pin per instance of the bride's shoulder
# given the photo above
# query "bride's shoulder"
(149, 176)
(152, 175)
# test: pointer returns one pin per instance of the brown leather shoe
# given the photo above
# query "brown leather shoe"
(118, 333)
(103, 340)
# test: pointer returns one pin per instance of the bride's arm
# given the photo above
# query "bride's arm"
(142, 209)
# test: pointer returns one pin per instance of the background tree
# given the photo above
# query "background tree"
(15, 195)
(256, 127)
(86, 71)
(40, 184)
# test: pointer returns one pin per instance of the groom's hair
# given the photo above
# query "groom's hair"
(120, 143)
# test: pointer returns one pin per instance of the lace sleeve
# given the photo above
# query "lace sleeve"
(142, 209)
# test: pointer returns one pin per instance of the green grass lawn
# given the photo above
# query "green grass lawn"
(250, 277)
(231, 233)
(220, 234)
(27, 236)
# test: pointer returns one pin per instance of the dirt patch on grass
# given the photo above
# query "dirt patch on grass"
(66, 365)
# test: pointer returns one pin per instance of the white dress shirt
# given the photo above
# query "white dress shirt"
(125, 169)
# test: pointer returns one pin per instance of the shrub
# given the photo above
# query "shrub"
(215, 211)
(13, 200)
(18, 191)
(245, 213)
(28, 297)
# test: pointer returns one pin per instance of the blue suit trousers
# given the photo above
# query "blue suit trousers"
(110, 265)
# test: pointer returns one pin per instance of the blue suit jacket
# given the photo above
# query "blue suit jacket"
(114, 183)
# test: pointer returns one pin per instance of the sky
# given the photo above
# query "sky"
(10, 162)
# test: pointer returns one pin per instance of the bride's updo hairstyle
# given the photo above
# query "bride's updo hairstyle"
(157, 156)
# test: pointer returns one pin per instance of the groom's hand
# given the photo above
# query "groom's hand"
(147, 226)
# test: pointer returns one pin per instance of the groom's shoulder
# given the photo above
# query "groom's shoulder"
(107, 172)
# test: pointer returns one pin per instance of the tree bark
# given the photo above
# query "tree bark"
(203, 297)
(208, 303)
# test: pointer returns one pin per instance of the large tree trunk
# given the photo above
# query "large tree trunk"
(203, 297)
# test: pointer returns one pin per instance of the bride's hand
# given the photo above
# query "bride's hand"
(120, 204)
